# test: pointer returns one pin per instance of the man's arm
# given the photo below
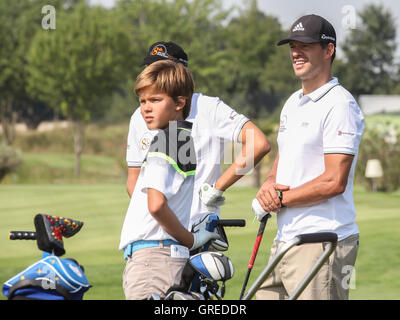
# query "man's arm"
(133, 174)
(331, 183)
(255, 146)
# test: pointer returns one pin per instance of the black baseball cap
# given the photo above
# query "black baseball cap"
(163, 51)
(310, 29)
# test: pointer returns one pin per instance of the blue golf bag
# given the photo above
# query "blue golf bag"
(50, 278)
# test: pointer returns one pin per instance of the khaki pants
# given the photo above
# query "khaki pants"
(151, 270)
(330, 283)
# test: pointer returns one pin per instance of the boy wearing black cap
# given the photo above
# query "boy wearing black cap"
(320, 131)
(213, 123)
(165, 50)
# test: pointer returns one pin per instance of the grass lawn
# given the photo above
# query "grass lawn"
(58, 168)
(102, 208)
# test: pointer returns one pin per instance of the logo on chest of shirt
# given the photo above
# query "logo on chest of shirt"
(343, 133)
(283, 123)
(145, 141)
(304, 124)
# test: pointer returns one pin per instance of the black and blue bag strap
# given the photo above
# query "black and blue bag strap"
(32, 283)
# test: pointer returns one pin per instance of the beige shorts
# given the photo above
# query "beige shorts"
(330, 283)
(151, 270)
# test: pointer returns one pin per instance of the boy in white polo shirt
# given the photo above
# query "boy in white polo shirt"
(155, 236)
(320, 131)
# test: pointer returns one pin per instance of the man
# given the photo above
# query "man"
(213, 123)
(320, 131)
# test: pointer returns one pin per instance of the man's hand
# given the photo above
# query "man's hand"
(211, 197)
(268, 197)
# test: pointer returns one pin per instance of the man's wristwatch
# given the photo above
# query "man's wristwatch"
(279, 193)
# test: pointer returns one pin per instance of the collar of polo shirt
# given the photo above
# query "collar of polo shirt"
(318, 93)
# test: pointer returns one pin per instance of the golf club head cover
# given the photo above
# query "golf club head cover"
(212, 265)
(67, 226)
(222, 243)
(51, 229)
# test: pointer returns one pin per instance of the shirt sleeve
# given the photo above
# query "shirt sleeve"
(138, 140)
(159, 174)
(227, 122)
(343, 129)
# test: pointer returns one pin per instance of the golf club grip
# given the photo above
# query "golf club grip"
(263, 224)
(231, 222)
(317, 237)
(260, 234)
(22, 235)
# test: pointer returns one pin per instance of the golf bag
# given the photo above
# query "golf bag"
(50, 278)
(205, 270)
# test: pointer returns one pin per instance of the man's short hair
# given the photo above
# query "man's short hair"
(169, 77)
(325, 44)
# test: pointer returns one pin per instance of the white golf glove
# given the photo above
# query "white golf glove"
(258, 210)
(200, 234)
(211, 197)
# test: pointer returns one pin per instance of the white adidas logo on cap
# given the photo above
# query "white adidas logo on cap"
(298, 27)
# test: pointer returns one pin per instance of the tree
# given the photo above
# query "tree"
(229, 59)
(369, 66)
(278, 79)
(251, 42)
(10, 160)
(77, 64)
(18, 23)
(195, 25)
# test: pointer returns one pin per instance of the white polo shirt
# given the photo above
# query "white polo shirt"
(164, 172)
(214, 122)
(328, 120)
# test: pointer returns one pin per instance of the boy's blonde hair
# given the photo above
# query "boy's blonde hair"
(170, 78)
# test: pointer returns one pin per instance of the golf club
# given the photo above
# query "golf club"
(255, 251)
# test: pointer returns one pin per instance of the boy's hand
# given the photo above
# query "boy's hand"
(211, 197)
(200, 234)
